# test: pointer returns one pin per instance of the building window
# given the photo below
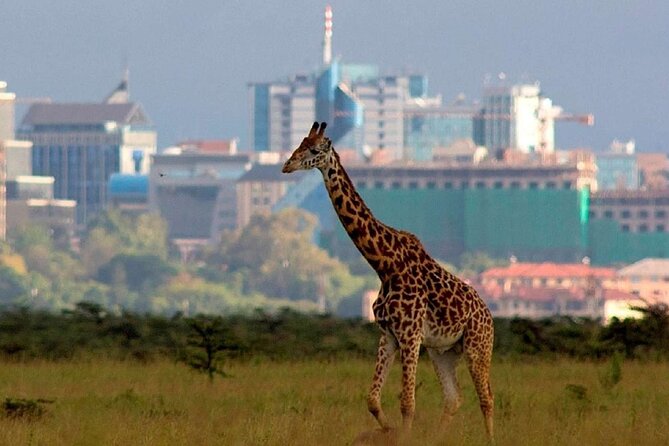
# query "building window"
(515, 185)
(592, 214)
(448, 185)
(566, 185)
(625, 214)
(608, 214)
(643, 228)
(431, 184)
(625, 228)
(498, 185)
(413, 185)
(378, 185)
(381, 124)
(396, 185)
(550, 185)
(533, 185)
(362, 185)
(643, 214)
(660, 228)
(661, 213)
(480, 185)
(464, 185)
(382, 135)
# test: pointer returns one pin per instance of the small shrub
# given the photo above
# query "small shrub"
(26, 409)
(577, 392)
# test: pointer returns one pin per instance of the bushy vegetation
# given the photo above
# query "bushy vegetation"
(583, 338)
(287, 334)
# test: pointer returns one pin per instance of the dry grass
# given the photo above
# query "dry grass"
(319, 403)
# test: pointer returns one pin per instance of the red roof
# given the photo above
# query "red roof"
(549, 270)
(211, 145)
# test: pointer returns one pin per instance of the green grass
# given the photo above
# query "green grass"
(538, 402)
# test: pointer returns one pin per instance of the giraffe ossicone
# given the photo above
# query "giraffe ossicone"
(419, 303)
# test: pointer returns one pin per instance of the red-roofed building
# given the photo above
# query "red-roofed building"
(540, 290)
(536, 303)
(549, 275)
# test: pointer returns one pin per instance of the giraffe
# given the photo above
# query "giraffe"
(419, 301)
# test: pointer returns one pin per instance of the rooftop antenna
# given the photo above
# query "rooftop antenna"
(121, 94)
(327, 36)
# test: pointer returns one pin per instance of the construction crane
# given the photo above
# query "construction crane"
(548, 113)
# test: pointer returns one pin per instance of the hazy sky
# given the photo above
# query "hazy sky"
(190, 61)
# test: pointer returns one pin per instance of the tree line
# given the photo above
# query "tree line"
(125, 263)
(89, 329)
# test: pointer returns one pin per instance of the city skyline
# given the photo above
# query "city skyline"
(190, 65)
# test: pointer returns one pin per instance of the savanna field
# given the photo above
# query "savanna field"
(322, 402)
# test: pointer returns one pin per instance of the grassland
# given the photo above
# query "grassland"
(539, 402)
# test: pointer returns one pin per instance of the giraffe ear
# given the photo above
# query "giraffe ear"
(322, 130)
(314, 129)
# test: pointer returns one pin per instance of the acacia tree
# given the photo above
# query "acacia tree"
(206, 340)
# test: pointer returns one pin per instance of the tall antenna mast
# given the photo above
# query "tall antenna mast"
(327, 37)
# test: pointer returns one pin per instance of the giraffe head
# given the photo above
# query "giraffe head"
(313, 152)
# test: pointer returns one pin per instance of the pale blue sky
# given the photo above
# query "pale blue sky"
(190, 61)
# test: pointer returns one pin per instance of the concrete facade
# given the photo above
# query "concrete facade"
(259, 189)
(196, 193)
(634, 211)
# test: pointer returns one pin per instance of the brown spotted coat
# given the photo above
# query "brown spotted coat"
(420, 303)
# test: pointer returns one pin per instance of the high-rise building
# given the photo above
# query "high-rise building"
(371, 112)
(7, 100)
(364, 109)
(430, 126)
(82, 144)
(280, 111)
(510, 120)
(618, 168)
(520, 117)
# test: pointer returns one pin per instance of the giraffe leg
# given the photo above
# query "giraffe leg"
(479, 355)
(444, 365)
(384, 359)
(409, 352)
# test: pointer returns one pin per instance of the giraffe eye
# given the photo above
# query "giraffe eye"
(313, 151)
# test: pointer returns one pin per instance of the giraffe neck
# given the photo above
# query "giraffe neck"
(366, 232)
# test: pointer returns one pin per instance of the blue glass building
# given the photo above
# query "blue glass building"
(617, 171)
(82, 144)
(426, 130)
